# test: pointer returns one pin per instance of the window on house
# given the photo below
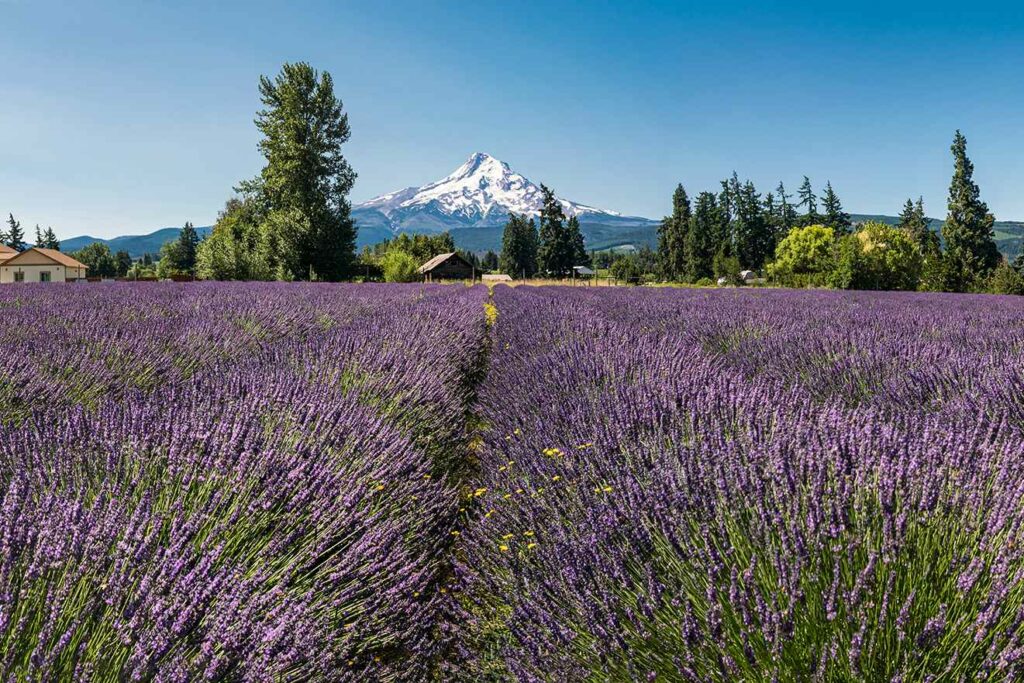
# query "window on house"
(19, 277)
(44, 276)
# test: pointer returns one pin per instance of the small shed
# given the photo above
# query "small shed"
(496, 277)
(583, 271)
(749, 277)
(448, 266)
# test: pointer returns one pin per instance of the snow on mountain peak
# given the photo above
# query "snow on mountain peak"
(482, 191)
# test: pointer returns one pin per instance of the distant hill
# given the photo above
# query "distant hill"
(135, 245)
(604, 232)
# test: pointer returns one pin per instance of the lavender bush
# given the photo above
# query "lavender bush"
(228, 481)
(748, 486)
(337, 482)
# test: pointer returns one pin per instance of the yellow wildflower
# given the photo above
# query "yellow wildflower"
(527, 533)
(507, 536)
(531, 546)
(503, 548)
(479, 492)
(555, 478)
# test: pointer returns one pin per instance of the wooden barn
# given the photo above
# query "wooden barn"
(448, 266)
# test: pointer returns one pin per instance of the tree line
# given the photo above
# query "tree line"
(809, 240)
(552, 250)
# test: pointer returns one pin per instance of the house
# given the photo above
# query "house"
(7, 253)
(448, 266)
(40, 265)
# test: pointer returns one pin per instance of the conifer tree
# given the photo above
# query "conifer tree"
(554, 254)
(303, 189)
(809, 202)
(50, 239)
(707, 227)
(188, 244)
(15, 237)
(834, 216)
(39, 236)
(971, 252)
(519, 247)
(673, 235)
(575, 245)
(913, 220)
(786, 217)
(752, 230)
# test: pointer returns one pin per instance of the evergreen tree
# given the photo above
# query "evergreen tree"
(303, 189)
(913, 220)
(188, 244)
(834, 217)
(123, 261)
(575, 245)
(809, 202)
(39, 236)
(519, 247)
(554, 253)
(705, 236)
(15, 237)
(50, 239)
(752, 230)
(971, 252)
(673, 235)
(489, 261)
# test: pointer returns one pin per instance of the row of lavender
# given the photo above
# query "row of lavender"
(228, 481)
(719, 486)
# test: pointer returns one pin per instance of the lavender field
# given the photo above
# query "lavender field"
(407, 482)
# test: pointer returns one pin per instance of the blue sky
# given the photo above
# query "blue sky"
(122, 118)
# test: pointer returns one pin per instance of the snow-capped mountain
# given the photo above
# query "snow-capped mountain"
(480, 193)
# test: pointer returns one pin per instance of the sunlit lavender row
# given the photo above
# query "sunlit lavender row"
(228, 482)
(723, 486)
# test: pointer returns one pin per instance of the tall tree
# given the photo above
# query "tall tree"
(673, 235)
(575, 244)
(786, 215)
(971, 251)
(706, 230)
(809, 202)
(751, 228)
(123, 262)
(15, 237)
(188, 245)
(304, 186)
(554, 255)
(519, 247)
(834, 216)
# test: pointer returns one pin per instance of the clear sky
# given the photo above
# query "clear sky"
(121, 118)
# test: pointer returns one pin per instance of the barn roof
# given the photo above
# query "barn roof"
(442, 258)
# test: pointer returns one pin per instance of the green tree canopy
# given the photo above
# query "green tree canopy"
(834, 216)
(519, 247)
(878, 256)
(971, 251)
(98, 258)
(14, 237)
(292, 221)
(555, 250)
(673, 238)
(804, 256)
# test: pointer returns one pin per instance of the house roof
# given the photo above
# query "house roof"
(4, 249)
(442, 258)
(52, 254)
(583, 270)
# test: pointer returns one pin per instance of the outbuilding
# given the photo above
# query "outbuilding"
(448, 266)
(40, 265)
(496, 277)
